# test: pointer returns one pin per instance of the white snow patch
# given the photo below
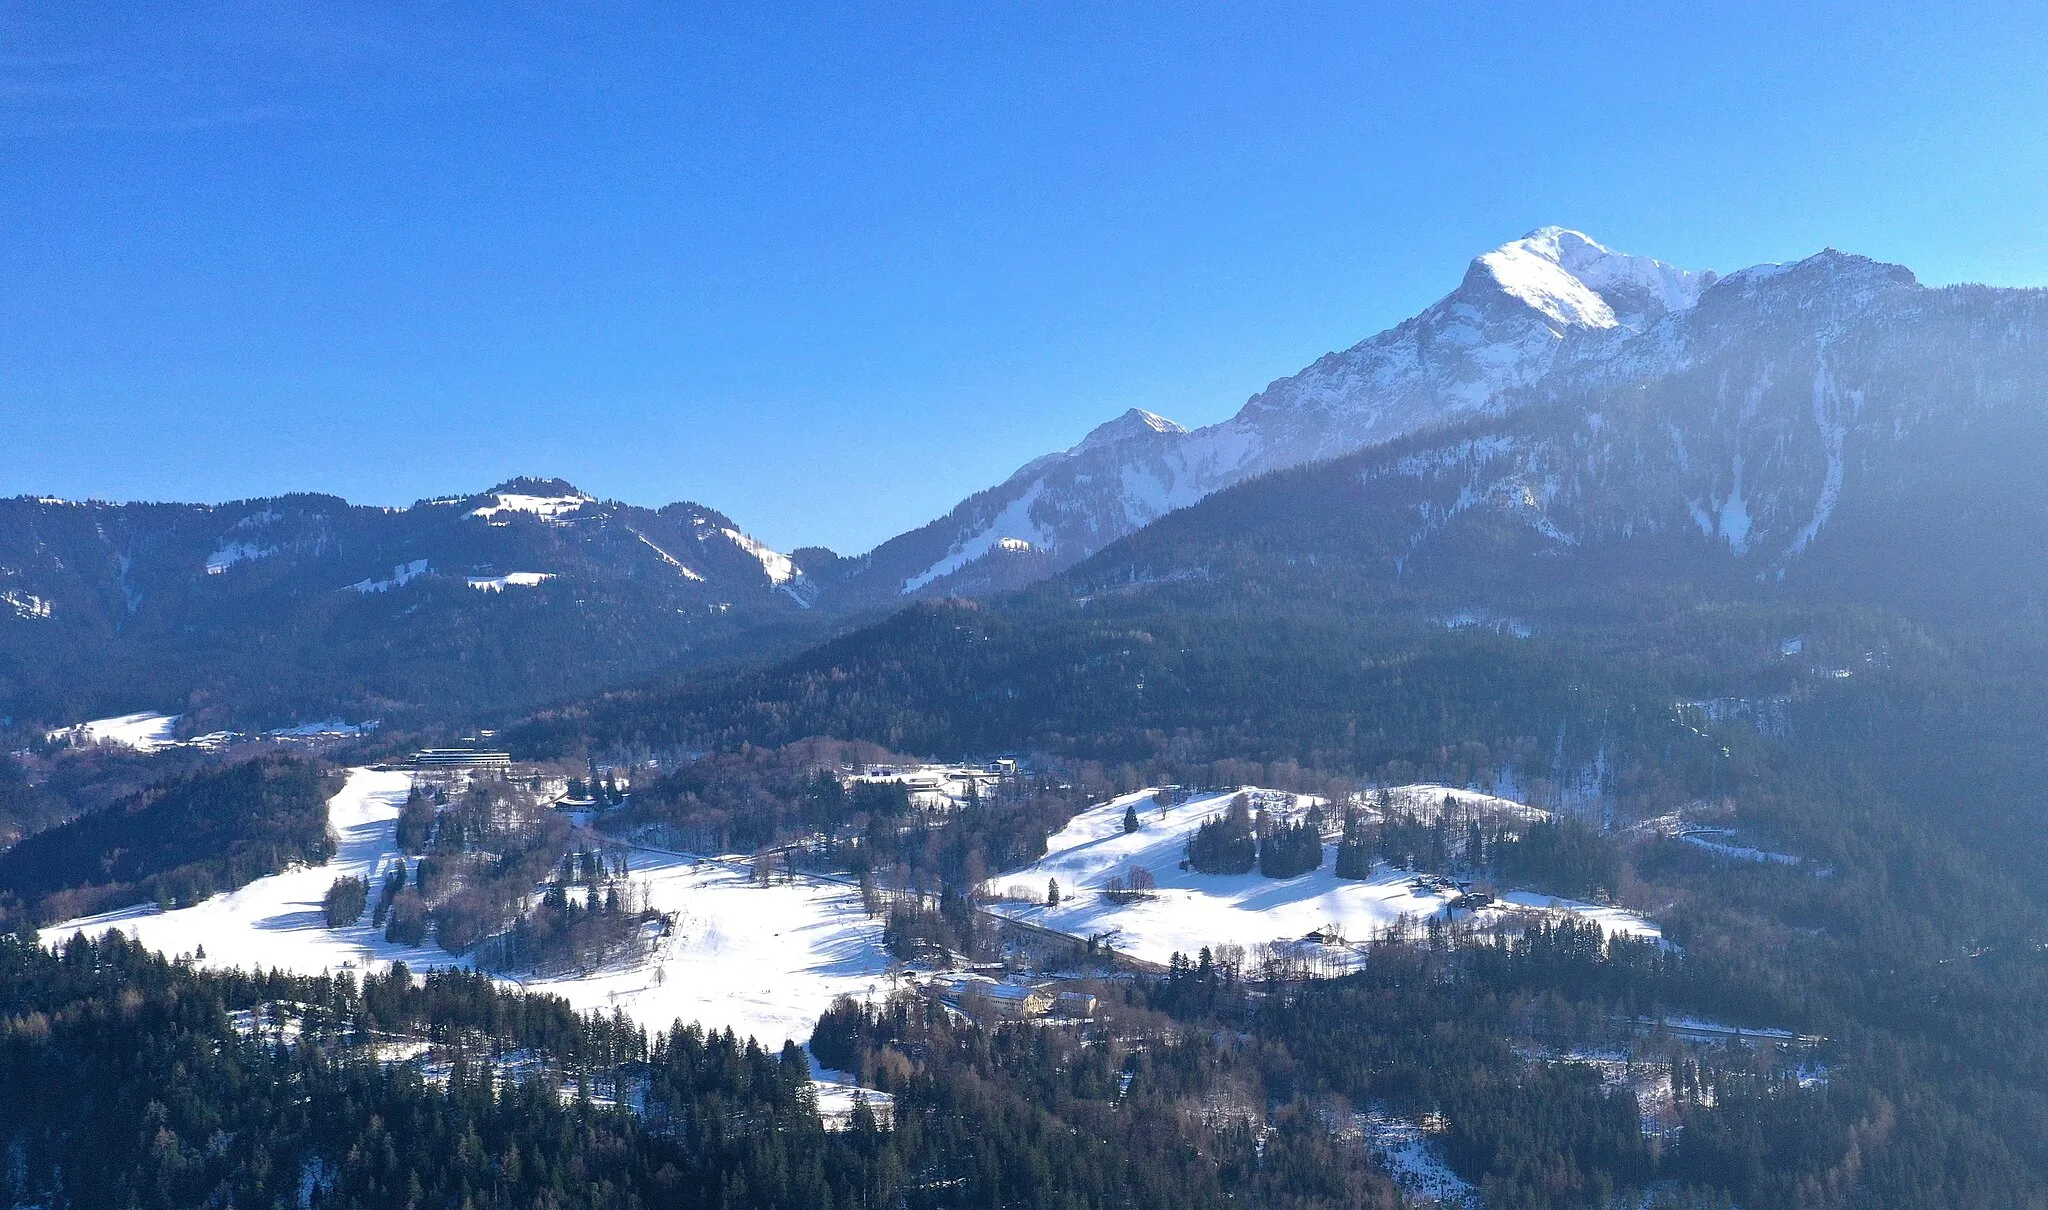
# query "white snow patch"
(1013, 522)
(147, 731)
(26, 605)
(546, 508)
(1734, 525)
(227, 556)
(517, 579)
(1481, 619)
(671, 560)
(1425, 801)
(780, 568)
(837, 1092)
(1411, 1156)
(1613, 921)
(1570, 278)
(401, 575)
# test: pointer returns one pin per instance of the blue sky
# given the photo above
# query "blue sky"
(829, 269)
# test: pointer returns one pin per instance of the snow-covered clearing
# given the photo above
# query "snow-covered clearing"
(1190, 910)
(145, 732)
(762, 961)
(547, 508)
(1714, 840)
(277, 922)
(401, 575)
(837, 1092)
(227, 556)
(517, 579)
(1427, 800)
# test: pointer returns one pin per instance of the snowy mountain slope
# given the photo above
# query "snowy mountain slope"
(1508, 322)
(1566, 395)
(140, 605)
(1826, 421)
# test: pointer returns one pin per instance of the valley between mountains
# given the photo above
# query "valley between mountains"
(1578, 747)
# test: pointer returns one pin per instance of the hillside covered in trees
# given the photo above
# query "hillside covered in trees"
(175, 843)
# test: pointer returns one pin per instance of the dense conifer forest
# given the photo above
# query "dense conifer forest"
(177, 842)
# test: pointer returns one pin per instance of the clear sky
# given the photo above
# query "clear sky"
(830, 268)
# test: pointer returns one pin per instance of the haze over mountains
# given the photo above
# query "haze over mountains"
(1776, 422)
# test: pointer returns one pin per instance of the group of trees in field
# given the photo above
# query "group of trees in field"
(590, 915)
(472, 866)
(1234, 842)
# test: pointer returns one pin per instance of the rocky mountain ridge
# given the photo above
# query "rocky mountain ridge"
(1520, 311)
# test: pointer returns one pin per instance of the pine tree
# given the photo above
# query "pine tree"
(1131, 819)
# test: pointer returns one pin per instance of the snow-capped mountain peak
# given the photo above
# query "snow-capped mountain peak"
(1577, 282)
(1517, 311)
(1135, 423)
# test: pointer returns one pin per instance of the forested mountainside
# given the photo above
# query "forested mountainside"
(268, 612)
(178, 842)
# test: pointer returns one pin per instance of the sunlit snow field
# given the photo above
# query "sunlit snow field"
(766, 960)
(763, 961)
(1191, 910)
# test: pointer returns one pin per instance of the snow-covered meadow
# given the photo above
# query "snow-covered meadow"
(766, 960)
(277, 922)
(762, 961)
(146, 731)
(1189, 910)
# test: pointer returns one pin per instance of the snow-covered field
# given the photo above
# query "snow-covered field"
(144, 732)
(1426, 800)
(763, 961)
(547, 508)
(1190, 910)
(517, 579)
(277, 922)
(766, 960)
